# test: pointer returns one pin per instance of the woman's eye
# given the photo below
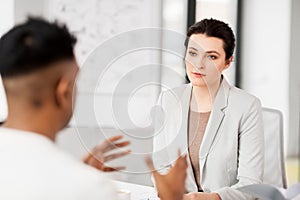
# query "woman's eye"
(192, 53)
(212, 57)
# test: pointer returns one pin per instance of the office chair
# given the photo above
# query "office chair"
(274, 170)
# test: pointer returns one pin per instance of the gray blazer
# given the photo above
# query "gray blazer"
(232, 150)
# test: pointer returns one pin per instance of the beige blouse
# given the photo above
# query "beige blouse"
(196, 129)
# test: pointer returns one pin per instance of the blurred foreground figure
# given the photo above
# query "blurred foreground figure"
(39, 70)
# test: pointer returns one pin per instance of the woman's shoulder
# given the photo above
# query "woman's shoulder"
(235, 92)
(241, 99)
(242, 95)
(237, 97)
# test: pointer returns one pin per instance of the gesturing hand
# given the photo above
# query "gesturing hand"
(171, 185)
(97, 157)
(201, 196)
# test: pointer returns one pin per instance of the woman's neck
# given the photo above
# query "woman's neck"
(203, 97)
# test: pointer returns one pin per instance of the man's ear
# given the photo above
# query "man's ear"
(63, 92)
(228, 62)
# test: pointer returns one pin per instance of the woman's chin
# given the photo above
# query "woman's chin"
(199, 83)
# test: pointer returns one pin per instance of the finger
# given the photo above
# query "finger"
(113, 146)
(119, 168)
(179, 153)
(115, 169)
(181, 156)
(184, 161)
(181, 162)
(108, 141)
(110, 144)
(122, 144)
(116, 155)
(94, 162)
(112, 169)
(150, 164)
(86, 158)
(115, 138)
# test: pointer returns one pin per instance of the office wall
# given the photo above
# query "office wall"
(105, 61)
(96, 24)
(174, 14)
(266, 55)
(294, 81)
(23, 9)
(7, 21)
(7, 15)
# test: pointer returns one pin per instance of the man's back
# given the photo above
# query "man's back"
(32, 167)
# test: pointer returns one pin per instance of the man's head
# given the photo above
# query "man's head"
(38, 69)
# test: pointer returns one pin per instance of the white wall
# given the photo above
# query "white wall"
(7, 21)
(294, 81)
(23, 9)
(96, 23)
(6, 15)
(174, 14)
(265, 54)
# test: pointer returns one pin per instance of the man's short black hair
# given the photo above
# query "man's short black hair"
(34, 45)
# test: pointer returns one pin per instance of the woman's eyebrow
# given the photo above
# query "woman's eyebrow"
(212, 51)
(193, 48)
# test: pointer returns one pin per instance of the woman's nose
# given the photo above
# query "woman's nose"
(201, 64)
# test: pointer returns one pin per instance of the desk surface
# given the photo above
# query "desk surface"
(138, 192)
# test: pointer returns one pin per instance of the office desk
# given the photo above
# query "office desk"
(138, 192)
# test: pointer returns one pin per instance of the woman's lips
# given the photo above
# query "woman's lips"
(198, 75)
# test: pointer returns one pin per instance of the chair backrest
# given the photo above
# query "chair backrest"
(274, 170)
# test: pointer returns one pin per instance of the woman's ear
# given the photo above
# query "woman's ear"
(228, 62)
(63, 92)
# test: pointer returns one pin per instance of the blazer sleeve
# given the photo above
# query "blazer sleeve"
(250, 153)
(160, 154)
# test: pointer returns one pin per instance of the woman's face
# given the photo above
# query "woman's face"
(205, 60)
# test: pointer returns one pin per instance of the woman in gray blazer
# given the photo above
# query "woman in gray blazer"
(218, 125)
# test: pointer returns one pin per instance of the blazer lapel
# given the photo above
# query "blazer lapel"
(214, 122)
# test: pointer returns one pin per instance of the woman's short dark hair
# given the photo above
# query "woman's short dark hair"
(214, 28)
